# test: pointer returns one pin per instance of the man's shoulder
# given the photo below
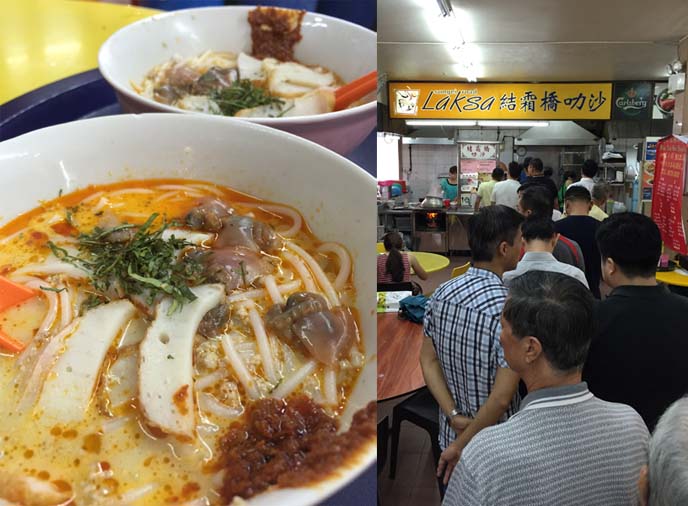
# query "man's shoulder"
(483, 293)
(617, 416)
(492, 445)
(673, 304)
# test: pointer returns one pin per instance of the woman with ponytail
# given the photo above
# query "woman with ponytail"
(395, 266)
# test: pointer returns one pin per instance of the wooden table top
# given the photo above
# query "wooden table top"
(398, 356)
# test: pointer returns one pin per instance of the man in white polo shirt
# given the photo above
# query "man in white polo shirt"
(564, 446)
(505, 193)
(588, 172)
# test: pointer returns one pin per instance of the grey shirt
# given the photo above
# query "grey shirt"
(543, 261)
(564, 447)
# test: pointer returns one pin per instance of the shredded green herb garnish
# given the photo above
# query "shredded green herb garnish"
(142, 264)
(51, 289)
(242, 94)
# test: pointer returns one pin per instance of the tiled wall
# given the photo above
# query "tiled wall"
(429, 162)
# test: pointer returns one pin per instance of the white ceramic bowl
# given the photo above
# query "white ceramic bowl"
(346, 48)
(336, 197)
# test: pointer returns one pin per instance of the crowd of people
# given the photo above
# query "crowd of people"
(556, 355)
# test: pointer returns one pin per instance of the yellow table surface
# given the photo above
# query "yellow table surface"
(431, 262)
(42, 41)
(673, 278)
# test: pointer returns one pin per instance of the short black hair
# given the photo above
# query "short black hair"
(489, 227)
(569, 174)
(558, 311)
(537, 164)
(453, 169)
(526, 161)
(514, 170)
(633, 241)
(578, 193)
(498, 173)
(536, 199)
(589, 168)
(538, 228)
(549, 171)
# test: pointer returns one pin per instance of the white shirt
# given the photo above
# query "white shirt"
(505, 193)
(542, 261)
(585, 182)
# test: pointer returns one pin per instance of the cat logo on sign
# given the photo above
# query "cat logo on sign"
(406, 102)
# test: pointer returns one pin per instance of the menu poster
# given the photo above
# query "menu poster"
(664, 102)
(670, 173)
(649, 168)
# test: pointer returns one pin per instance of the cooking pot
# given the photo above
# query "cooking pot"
(431, 202)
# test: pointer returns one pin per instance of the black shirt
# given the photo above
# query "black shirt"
(582, 229)
(545, 182)
(639, 355)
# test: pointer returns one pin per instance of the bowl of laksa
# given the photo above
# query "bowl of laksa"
(186, 315)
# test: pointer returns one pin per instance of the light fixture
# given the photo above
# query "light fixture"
(441, 122)
(675, 67)
(515, 124)
(445, 7)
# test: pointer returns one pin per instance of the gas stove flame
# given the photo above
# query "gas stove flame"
(432, 216)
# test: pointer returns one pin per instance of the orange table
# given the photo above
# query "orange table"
(42, 41)
(398, 356)
(677, 277)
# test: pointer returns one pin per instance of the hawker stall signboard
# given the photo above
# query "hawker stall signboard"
(670, 174)
(523, 101)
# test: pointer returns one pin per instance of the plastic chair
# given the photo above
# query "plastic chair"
(420, 409)
(380, 247)
(461, 269)
(382, 444)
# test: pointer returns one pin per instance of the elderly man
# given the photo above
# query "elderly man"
(666, 483)
(600, 195)
(564, 446)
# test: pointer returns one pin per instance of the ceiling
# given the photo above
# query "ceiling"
(531, 40)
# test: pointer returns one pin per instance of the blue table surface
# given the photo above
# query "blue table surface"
(87, 95)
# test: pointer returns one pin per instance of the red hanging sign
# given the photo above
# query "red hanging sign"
(670, 174)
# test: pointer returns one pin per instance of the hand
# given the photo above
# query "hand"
(459, 423)
(448, 460)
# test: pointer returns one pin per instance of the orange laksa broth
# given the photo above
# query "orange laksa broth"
(178, 343)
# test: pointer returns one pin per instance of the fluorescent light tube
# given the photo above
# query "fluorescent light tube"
(441, 122)
(445, 7)
(515, 124)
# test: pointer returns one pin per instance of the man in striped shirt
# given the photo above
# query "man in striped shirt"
(564, 446)
(462, 360)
